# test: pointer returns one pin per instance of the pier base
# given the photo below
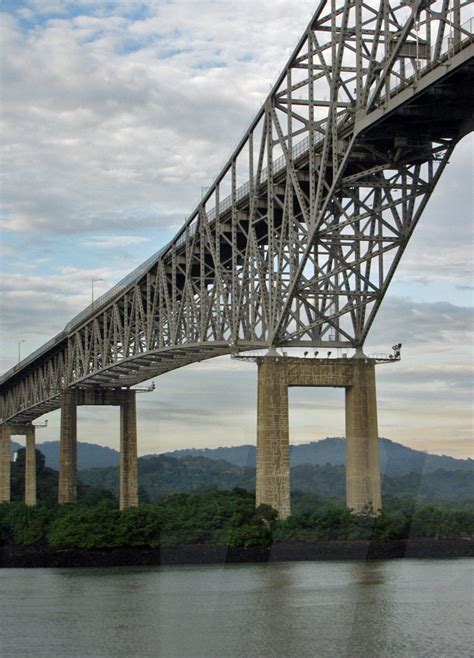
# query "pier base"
(273, 449)
(128, 451)
(68, 449)
(357, 376)
(5, 463)
(126, 400)
(363, 486)
(30, 467)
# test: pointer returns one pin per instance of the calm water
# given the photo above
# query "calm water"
(342, 609)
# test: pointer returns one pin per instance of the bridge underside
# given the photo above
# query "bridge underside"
(130, 372)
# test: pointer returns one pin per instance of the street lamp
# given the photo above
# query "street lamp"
(92, 290)
(19, 348)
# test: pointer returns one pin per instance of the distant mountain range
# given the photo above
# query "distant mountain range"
(89, 455)
(395, 459)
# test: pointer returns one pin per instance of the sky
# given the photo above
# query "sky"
(114, 115)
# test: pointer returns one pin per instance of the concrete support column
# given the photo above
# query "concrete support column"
(30, 467)
(362, 441)
(273, 450)
(68, 449)
(5, 463)
(128, 451)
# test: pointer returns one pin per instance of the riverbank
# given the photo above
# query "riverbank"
(45, 557)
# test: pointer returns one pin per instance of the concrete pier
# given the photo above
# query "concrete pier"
(126, 400)
(363, 486)
(273, 450)
(30, 466)
(128, 451)
(5, 463)
(275, 375)
(68, 449)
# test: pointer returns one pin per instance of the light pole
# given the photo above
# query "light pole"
(92, 290)
(19, 348)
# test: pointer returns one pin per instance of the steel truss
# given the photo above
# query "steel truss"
(298, 238)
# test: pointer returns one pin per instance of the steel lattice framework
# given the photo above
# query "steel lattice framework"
(298, 238)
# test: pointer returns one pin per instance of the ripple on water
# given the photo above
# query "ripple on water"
(411, 608)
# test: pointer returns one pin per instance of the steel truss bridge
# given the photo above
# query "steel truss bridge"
(298, 238)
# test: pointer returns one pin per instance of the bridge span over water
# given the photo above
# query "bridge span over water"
(294, 244)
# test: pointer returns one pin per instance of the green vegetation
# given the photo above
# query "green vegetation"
(195, 500)
(161, 476)
(164, 475)
(224, 518)
(47, 484)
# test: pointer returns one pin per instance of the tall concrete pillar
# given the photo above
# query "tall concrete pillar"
(5, 463)
(68, 449)
(273, 450)
(362, 441)
(30, 467)
(128, 451)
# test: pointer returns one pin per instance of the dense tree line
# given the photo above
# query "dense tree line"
(224, 518)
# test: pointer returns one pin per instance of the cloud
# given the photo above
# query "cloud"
(439, 324)
(442, 247)
(441, 264)
(112, 242)
(113, 118)
(52, 300)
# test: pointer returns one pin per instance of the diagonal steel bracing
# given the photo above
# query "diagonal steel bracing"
(298, 238)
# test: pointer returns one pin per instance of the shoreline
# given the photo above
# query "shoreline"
(46, 557)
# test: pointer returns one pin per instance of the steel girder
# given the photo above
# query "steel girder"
(298, 238)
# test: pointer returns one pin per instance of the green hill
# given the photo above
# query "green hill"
(159, 476)
(395, 459)
(89, 455)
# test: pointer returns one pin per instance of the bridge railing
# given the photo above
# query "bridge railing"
(448, 45)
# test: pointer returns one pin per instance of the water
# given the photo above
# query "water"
(341, 609)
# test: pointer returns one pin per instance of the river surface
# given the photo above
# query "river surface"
(343, 609)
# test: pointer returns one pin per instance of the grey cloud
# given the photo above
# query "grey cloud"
(96, 134)
(52, 300)
(185, 416)
(113, 242)
(441, 249)
(419, 323)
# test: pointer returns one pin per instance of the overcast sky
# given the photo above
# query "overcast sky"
(115, 114)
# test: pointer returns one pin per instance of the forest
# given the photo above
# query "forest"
(217, 513)
(163, 475)
(226, 518)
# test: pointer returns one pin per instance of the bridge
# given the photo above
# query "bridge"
(293, 245)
